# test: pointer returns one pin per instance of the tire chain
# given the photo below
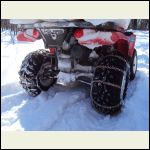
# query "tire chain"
(29, 69)
(100, 82)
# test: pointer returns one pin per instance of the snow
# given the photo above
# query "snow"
(124, 23)
(68, 107)
(93, 54)
(23, 21)
(100, 36)
(32, 21)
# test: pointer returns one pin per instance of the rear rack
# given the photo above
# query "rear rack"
(109, 26)
(48, 25)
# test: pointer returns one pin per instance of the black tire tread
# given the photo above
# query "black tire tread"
(105, 95)
(29, 69)
(132, 75)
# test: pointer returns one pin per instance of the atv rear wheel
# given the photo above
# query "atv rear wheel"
(109, 84)
(133, 65)
(37, 72)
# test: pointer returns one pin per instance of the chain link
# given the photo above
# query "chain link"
(107, 83)
(110, 67)
(121, 58)
(108, 107)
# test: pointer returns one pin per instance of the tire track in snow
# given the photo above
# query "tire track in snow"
(13, 100)
(11, 88)
(46, 109)
(78, 97)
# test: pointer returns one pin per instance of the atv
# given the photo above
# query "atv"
(102, 56)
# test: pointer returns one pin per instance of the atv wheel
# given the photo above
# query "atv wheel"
(37, 72)
(133, 65)
(109, 84)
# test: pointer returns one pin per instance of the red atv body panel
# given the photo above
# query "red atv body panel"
(91, 39)
(29, 35)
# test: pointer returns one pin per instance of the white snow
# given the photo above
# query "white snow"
(32, 21)
(23, 21)
(68, 107)
(93, 54)
(90, 34)
(124, 23)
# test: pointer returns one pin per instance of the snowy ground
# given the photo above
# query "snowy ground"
(68, 108)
